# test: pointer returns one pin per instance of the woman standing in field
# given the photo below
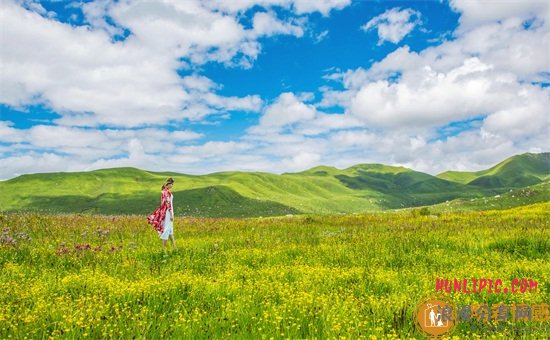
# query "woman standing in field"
(163, 218)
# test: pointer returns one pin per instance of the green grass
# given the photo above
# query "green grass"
(538, 193)
(514, 172)
(354, 276)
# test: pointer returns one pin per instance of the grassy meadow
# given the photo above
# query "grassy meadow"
(348, 276)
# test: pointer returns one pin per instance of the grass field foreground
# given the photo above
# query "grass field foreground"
(350, 276)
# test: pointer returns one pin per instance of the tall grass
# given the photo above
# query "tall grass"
(353, 276)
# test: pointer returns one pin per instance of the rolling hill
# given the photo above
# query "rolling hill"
(531, 195)
(515, 172)
(323, 189)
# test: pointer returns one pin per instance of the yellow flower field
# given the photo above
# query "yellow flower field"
(345, 277)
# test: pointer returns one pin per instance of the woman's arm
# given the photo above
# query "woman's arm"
(171, 208)
(169, 204)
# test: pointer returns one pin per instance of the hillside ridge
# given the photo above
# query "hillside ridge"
(321, 189)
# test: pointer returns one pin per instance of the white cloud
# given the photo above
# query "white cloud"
(81, 73)
(199, 83)
(504, 45)
(394, 24)
(478, 12)
(529, 117)
(37, 7)
(301, 161)
(321, 36)
(181, 29)
(248, 103)
(9, 134)
(297, 6)
(267, 24)
(509, 48)
(425, 98)
(32, 162)
(92, 143)
(323, 123)
(322, 6)
(135, 150)
(78, 70)
(289, 112)
(95, 13)
(55, 137)
(285, 111)
(214, 149)
(350, 139)
(180, 136)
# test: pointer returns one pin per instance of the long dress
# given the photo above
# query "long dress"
(168, 226)
(158, 217)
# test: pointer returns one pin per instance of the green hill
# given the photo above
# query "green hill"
(534, 194)
(515, 172)
(322, 190)
(405, 187)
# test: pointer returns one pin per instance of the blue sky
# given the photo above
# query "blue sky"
(271, 85)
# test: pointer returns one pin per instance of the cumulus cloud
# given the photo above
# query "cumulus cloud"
(9, 134)
(35, 6)
(44, 148)
(474, 13)
(87, 142)
(528, 117)
(322, 6)
(37, 162)
(91, 78)
(214, 149)
(428, 98)
(301, 160)
(394, 24)
(80, 71)
(267, 24)
(354, 138)
(290, 113)
(285, 111)
(96, 13)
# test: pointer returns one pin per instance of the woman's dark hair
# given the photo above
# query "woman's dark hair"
(168, 181)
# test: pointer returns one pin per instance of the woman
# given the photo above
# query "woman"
(163, 218)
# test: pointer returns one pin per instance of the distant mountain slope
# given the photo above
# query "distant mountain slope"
(534, 194)
(514, 172)
(129, 190)
(405, 187)
(323, 189)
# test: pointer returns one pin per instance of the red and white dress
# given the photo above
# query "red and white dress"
(160, 218)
